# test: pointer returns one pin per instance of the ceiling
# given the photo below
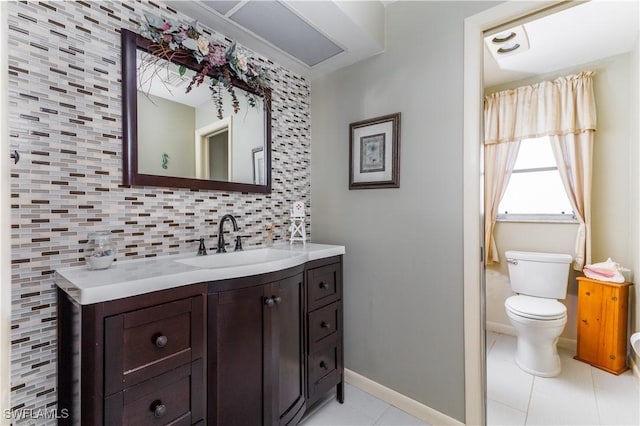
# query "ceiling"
(311, 38)
(577, 35)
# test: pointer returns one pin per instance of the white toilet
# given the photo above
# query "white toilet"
(539, 279)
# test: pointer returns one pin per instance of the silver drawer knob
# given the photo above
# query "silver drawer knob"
(158, 408)
(160, 340)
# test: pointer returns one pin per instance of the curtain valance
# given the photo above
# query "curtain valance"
(565, 105)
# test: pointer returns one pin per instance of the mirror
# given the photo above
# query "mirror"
(176, 139)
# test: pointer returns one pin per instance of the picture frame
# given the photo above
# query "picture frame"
(258, 166)
(374, 153)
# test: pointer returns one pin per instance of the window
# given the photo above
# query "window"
(535, 190)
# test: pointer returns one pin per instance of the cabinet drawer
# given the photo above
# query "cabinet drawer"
(324, 324)
(163, 400)
(323, 370)
(151, 341)
(323, 286)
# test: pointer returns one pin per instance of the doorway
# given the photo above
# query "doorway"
(499, 17)
(214, 150)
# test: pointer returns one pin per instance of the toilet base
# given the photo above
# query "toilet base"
(536, 351)
(541, 362)
(540, 359)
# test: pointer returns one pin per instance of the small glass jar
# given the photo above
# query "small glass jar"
(100, 251)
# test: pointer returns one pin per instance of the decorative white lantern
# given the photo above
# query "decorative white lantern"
(297, 227)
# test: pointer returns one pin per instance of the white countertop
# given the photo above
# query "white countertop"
(139, 276)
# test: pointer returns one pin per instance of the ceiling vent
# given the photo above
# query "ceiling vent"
(286, 30)
(311, 38)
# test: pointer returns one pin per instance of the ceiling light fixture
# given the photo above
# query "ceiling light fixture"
(507, 43)
(508, 48)
(503, 37)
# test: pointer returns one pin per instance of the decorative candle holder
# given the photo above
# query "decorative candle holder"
(100, 251)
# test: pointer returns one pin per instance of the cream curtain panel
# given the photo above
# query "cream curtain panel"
(563, 109)
(499, 161)
(573, 152)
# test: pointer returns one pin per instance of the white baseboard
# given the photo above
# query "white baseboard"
(497, 327)
(398, 400)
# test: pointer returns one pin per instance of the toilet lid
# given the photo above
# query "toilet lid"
(536, 307)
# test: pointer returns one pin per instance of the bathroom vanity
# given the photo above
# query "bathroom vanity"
(246, 338)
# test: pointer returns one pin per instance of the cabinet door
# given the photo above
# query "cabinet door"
(289, 373)
(235, 358)
(256, 355)
(589, 312)
(602, 323)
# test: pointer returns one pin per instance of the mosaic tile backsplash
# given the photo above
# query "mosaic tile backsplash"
(65, 121)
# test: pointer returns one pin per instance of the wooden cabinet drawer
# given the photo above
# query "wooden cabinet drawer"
(167, 399)
(151, 341)
(323, 285)
(323, 369)
(324, 324)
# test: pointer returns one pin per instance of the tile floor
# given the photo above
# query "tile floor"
(359, 408)
(580, 395)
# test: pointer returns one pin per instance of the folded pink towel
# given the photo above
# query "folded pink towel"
(605, 271)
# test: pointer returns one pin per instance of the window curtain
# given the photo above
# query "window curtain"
(563, 109)
(499, 160)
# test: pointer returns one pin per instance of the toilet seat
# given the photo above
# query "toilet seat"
(536, 308)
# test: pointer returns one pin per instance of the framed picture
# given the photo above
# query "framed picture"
(258, 166)
(374, 153)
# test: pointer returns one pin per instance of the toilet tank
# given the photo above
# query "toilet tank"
(539, 274)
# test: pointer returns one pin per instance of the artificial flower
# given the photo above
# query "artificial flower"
(241, 62)
(203, 45)
(219, 64)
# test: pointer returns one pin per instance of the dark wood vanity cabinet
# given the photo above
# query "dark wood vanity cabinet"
(256, 372)
(248, 351)
(275, 344)
(133, 361)
(324, 328)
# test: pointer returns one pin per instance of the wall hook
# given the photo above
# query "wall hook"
(15, 156)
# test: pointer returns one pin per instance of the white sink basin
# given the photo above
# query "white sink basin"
(239, 258)
(635, 343)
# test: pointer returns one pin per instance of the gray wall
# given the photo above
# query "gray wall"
(403, 292)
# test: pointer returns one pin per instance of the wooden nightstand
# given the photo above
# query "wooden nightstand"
(602, 324)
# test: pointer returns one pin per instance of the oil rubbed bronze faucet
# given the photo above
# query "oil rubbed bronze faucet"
(221, 248)
(202, 249)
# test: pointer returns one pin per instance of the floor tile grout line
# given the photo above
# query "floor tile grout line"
(595, 394)
(526, 414)
(375, 422)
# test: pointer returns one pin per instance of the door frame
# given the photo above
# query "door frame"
(202, 146)
(473, 211)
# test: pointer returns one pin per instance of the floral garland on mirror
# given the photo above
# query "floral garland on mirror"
(174, 41)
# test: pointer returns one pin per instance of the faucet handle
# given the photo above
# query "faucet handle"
(239, 242)
(202, 250)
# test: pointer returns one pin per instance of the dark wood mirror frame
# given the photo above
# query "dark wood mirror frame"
(130, 43)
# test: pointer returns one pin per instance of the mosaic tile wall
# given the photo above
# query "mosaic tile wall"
(65, 121)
